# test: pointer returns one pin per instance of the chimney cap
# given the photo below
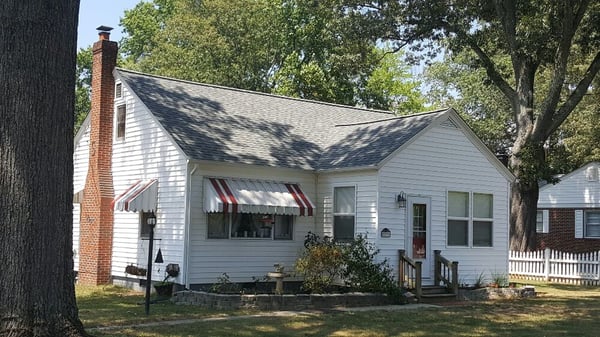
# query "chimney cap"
(103, 29)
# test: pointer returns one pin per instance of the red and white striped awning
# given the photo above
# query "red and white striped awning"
(229, 195)
(140, 196)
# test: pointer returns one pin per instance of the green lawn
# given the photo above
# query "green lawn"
(559, 310)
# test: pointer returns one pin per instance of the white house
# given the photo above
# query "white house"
(238, 178)
(569, 212)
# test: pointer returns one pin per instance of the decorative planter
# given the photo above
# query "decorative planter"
(164, 289)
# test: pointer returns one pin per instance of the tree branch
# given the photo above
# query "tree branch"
(507, 13)
(570, 22)
(491, 71)
(576, 96)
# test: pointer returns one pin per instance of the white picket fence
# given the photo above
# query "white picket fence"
(554, 266)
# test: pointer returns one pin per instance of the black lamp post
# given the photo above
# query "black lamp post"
(151, 221)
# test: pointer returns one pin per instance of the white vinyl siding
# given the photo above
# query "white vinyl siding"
(574, 190)
(243, 259)
(365, 189)
(81, 156)
(148, 152)
(344, 212)
(442, 159)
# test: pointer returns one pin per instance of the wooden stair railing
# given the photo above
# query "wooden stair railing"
(446, 272)
(409, 274)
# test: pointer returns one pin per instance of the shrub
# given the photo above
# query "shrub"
(324, 261)
(321, 263)
(364, 273)
(225, 286)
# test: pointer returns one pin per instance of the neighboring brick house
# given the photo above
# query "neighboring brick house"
(569, 212)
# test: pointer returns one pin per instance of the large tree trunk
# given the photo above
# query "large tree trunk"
(527, 162)
(37, 82)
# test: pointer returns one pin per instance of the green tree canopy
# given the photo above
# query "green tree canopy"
(305, 49)
(538, 39)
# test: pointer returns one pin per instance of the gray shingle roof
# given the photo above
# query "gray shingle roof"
(230, 125)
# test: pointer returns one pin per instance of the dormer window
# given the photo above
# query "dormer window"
(121, 116)
(118, 90)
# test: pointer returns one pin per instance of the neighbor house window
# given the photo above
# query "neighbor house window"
(144, 227)
(344, 203)
(592, 224)
(250, 226)
(470, 219)
(541, 221)
(121, 115)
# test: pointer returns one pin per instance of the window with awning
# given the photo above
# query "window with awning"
(139, 197)
(230, 195)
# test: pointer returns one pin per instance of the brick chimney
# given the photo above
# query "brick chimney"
(96, 224)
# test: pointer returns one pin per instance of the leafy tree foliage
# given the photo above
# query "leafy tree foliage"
(458, 82)
(538, 37)
(83, 80)
(305, 49)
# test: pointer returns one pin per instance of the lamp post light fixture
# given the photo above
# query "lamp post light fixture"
(151, 222)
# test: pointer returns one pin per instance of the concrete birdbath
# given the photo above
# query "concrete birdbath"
(278, 275)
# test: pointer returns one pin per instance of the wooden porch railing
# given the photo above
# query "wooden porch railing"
(446, 272)
(409, 274)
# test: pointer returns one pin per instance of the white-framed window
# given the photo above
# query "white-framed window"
(121, 117)
(470, 219)
(118, 90)
(344, 212)
(250, 226)
(541, 221)
(144, 227)
(591, 222)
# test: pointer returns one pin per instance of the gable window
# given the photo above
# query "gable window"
(121, 116)
(592, 224)
(344, 203)
(144, 227)
(249, 226)
(470, 219)
(118, 90)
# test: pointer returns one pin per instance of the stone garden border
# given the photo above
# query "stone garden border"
(278, 302)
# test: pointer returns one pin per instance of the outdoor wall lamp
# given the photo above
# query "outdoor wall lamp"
(401, 199)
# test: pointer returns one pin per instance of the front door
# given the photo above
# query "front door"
(419, 225)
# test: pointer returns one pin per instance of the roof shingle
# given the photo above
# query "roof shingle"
(237, 126)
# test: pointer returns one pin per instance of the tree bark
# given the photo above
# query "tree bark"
(37, 82)
(526, 161)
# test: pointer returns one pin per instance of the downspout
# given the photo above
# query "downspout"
(319, 213)
(188, 220)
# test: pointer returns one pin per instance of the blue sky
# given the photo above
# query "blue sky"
(94, 13)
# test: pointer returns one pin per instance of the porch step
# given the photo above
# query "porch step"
(434, 290)
(436, 294)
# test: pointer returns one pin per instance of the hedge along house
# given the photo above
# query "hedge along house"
(237, 179)
(568, 217)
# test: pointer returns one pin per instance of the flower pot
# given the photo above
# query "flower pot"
(164, 289)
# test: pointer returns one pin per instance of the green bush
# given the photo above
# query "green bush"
(364, 273)
(325, 261)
